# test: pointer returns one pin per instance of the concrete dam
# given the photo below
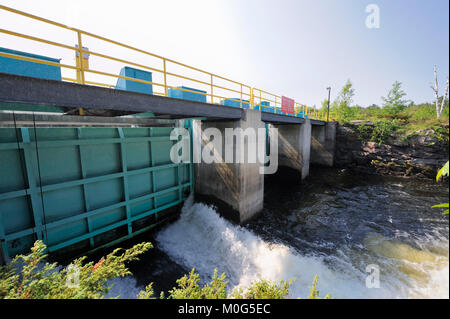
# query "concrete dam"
(86, 164)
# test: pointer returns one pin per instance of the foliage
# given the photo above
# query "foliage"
(314, 293)
(147, 293)
(379, 132)
(188, 287)
(264, 289)
(443, 172)
(343, 101)
(29, 277)
(411, 119)
(393, 103)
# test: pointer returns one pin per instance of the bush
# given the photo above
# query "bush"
(29, 277)
(379, 132)
(188, 287)
(264, 289)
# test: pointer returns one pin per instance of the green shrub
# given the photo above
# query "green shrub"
(188, 287)
(29, 277)
(314, 293)
(379, 132)
(263, 289)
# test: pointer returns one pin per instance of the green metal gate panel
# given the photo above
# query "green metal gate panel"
(85, 187)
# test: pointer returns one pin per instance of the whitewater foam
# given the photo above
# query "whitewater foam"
(204, 240)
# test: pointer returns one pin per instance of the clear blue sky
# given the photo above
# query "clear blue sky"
(293, 48)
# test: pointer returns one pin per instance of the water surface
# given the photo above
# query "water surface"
(334, 225)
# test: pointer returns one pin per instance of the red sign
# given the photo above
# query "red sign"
(287, 105)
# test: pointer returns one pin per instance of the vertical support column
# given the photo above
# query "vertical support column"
(305, 146)
(294, 146)
(238, 185)
(323, 144)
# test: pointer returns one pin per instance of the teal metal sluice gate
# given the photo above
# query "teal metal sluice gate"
(83, 188)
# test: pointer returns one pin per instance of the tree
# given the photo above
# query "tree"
(324, 105)
(344, 100)
(393, 102)
(435, 88)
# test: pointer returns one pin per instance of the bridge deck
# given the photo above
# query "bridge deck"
(35, 91)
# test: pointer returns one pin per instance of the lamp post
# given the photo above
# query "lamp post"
(328, 113)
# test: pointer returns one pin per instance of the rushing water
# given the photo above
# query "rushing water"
(333, 225)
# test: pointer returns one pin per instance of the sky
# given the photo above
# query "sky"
(287, 47)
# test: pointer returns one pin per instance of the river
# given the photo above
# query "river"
(335, 224)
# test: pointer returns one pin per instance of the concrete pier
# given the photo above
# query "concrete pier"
(323, 144)
(294, 143)
(238, 184)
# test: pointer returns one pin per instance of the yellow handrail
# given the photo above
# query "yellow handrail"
(83, 70)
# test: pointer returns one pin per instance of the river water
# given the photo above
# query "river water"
(337, 224)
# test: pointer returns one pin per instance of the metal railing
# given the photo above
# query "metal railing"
(215, 86)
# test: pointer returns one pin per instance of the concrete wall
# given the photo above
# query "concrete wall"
(239, 185)
(294, 143)
(323, 144)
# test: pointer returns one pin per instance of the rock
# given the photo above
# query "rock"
(420, 156)
(359, 122)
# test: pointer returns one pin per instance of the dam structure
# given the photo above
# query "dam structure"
(85, 145)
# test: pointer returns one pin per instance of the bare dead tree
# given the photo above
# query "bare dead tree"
(435, 88)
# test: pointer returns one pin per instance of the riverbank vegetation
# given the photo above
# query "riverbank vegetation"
(31, 277)
(397, 115)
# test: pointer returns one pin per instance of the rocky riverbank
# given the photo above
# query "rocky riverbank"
(421, 154)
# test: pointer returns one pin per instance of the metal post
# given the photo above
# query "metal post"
(275, 101)
(165, 79)
(80, 64)
(241, 96)
(328, 112)
(212, 86)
